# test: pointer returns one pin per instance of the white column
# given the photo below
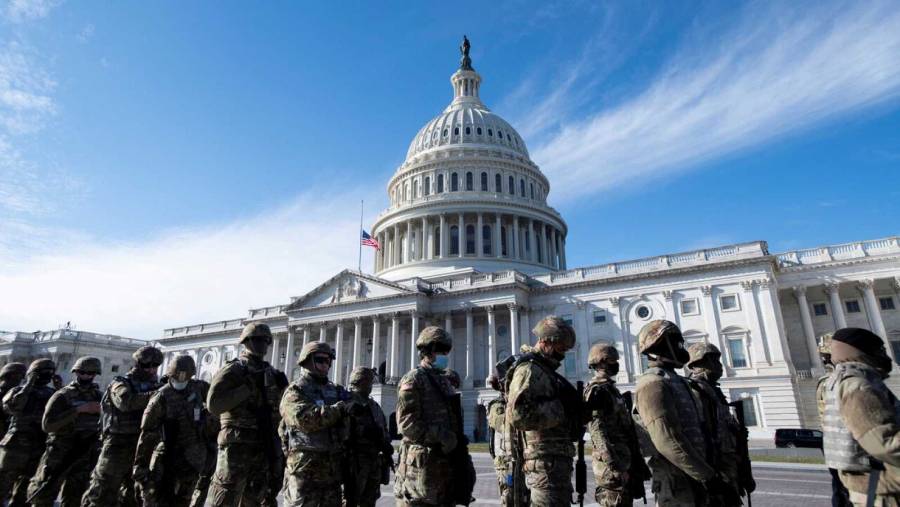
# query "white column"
(338, 367)
(710, 318)
(771, 310)
(498, 239)
(462, 235)
(274, 358)
(553, 260)
(414, 334)
(873, 311)
(532, 251)
(806, 322)
(426, 252)
(443, 245)
(410, 251)
(305, 335)
(562, 252)
(289, 353)
(515, 248)
(479, 238)
(448, 327)
(632, 361)
(357, 344)
(376, 342)
(322, 332)
(514, 328)
(758, 351)
(398, 246)
(492, 341)
(470, 350)
(395, 347)
(837, 308)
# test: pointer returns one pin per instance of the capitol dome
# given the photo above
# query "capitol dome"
(468, 197)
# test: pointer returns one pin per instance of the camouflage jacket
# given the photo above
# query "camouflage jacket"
(60, 416)
(176, 422)
(25, 404)
(312, 421)
(611, 427)
(4, 417)
(820, 392)
(496, 419)
(239, 392)
(719, 418)
(124, 403)
(424, 414)
(671, 415)
(368, 427)
(535, 405)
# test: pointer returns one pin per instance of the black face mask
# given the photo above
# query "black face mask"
(257, 346)
(85, 382)
(559, 356)
(611, 369)
(44, 377)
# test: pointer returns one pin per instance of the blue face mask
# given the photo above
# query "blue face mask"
(441, 361)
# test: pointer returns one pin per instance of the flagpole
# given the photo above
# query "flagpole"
(359, 238)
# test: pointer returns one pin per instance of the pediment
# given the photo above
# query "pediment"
(348, 286)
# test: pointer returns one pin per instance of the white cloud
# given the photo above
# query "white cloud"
(773, 74)
(18, 11)
(183, 276)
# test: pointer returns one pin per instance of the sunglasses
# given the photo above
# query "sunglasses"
(147, 366)
(322, 359)
(79, 372)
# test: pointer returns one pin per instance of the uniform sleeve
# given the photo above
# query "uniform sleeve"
(228, 390)
(151, 430)
(16, 399)
(532, 405)
(58, 414)
(125, 399)
(597, 398)
(300, 412)
(871, 419)
(665, 432)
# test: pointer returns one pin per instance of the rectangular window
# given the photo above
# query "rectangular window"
(729, 302)
(736, 350)
(887, 303)
(852, 306)
(820, 309)
(747, 398)
(599, 317)
(689, 307)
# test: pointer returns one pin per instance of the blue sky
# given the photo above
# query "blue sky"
(165, 163)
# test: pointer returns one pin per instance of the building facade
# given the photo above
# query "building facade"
(469, 243)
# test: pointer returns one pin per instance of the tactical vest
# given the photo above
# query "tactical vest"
(565, 392)
(118, 422)
(84, 423)
(330, 440)
(29, 419)
(496, 412)
(368, 433)
(435, 401)
(726, 425)
(245, 414)
(184, 421)
(686, 405)
(610, 430)
(842, 451)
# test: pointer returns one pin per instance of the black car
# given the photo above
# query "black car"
(790, 437)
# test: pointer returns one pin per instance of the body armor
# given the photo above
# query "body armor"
(116, 421)
(330, 440)
(688, 407)
(76, 396)
(185, 421)
(29, 420)
(245, 415)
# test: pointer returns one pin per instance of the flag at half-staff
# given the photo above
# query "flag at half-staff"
(367, 240)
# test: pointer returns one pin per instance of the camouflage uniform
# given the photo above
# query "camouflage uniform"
(540, 405)
(840, 497)
(612, 432)
(316, 428)
(245, 395)
(370, 451)
(72, 444)
(172, 449)
(671, 415)
(429, 425)
(862, 418)
(25, 440)
(496, 419)
(122, 407)
(10, 376)
(721, 426)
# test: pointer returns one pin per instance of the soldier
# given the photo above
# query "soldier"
(245, 395)
(10, 376)
(496, 417)
(840, 497)
(71, 421)
(619, 468)
(172, 449)
(370, 455)
(122, 407)
(546, 408)
(432, 469)
(725, 431)
(316, 422)
(672, 417)
(862, 419)
(25, 440)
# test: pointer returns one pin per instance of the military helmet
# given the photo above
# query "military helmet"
(41, 364)
(182, 368)
(825, 344)
(148, 355)
(655, 332)
(254, 330)
(362, 375)
(436, 337)
(88, 364)
(701, 350)
(314, 347)
(555, 330)
(602, 352)
(13, 369)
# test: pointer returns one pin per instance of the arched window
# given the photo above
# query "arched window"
(512, 185)
(478, 130)
(504, 249)
(486, 240)
(415, 187)
(436, 242)
(426, 190)
(500, 134)
(498, 183)
(470, 240)
(484, 185)
(454, 240)
(468, 130)
(490, 132)
(440, 186)
(522, 188)
(456, 131)
(532, 190)
(454, 182)
(446, 132)
(470, 183)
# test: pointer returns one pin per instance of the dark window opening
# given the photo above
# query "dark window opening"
(470, 240)
(498, 183)
(454, 240)
(486, 240)
(454, 182)
(440, 185)
(484, 182)
(503, 247)
(427, 188)
(522, 187)
(512, 185)
(470, 183)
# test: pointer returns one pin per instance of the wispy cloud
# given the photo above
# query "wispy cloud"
(182, 276)
(774, 73)
(18, 11)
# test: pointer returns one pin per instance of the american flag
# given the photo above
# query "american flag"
(368, 240)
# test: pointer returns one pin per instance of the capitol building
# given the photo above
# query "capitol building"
(469, 243)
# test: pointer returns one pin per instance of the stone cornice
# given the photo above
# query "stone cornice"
(523, 207)
(846, 254)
